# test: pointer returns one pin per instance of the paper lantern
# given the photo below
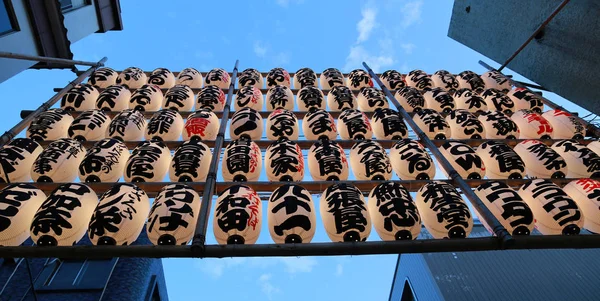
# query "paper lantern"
(331, 77)
(203, 125)
(129, 125)
(393, 213)
(162, 77)
(16, 159)
(278, 77)
(541, 161)
(465, 125)
(104, 162)
(532, 125)
(250, 77)
(248, 97)
(496, 80)
(444, 213)
(80, 98)
(103, 77)
(525, 99)
(89, 126)
(555, 212)
(190, 77)
(284, 161)
(19, 204)
(58, 162)
(370, 161)
(305, 77)
(327, 161)
(411, 161)
(211, 97)
(470, 80)
(501, 161)
(410, 99)
(173, 216)
(280, 97)
(318, 124)
(439, 100)
(246, 122)
(310, 97)
(387, 124)
(132, 78)
(114, 98)
(582, 162)
(291, 215)
(586, 193)
(369, 99)
(340, 98)
(498, 101)
(344, 213)
(507, 206)
(594, 146)
(191, 162)
(463, 159)
(242, 161)
(218, 77)
(146, 98)
(282, 123)
(444, 80)
(564, 125)
(419, 79)
(392, 80)
(63, 217)
(358, 78)
(119, 216)
(353, 124)
(149, 162)
(165, 125)
(498, 126)
(238, 216)
(465, 99)
(50, 125)
(432, 123)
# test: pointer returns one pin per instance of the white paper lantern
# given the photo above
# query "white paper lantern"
(278, 77)
(327, 161)
(250, 77)
(203, 125)
(387, 124)
(445, 214)
(80, 98)
(555, 212)
(211, 97)
(89, 126)
(282, 123)
(392, 80)
(16, 159)
(444, 80)
(393, 213)
(119, 216)
(463, 159)
(19, 204)
(173, 216)
(498, 126)
(370, 161)
(524, 99)
(466, 99)
(103, 77)
(498, 101)
(149, 162)
(410, 99)
(132, 78)
(280, 97)
(369, 99)
(58, 162)
(501, 161)
(532, 125)
(146, 98)
(246, 122)
(238, 216)
(191, 162)
(114, 98)
(411, 161)
(344, 213)
(358, 78)
(284, 161)
(318, 124)
(340, 98)
(470, 80)
(582, 162)
(305, 77)
(242, 161)
(465, 125)
(291, 215)
(586, 193)
(541, 161)
(218, 77)
(162, 77)
(310, 97)
(190, 77)
(63, 217)
(129, 125)
(354, 124)
(432, 123)
(419, 80)
(331, 77)
(249, 97)
(507, 206)
(594, 146)
(496, 80)
(50, 125)
(565, 125)
(439, 100)
(165, 125)
(104, 162)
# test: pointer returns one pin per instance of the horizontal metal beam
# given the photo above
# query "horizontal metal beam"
(36, 58)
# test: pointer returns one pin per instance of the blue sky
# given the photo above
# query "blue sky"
(263, 34)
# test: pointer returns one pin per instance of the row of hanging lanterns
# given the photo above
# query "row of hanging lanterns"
(135, 78)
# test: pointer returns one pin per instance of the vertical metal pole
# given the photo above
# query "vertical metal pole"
(486, 215)
(211, 178)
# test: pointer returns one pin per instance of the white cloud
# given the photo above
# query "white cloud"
(281, 58)
(216, 267)
(339, 270)
(298, 264)
(411, 13)
(267, 287)
(359, 54)
(259, 49)
(366, 24)
(408, 47)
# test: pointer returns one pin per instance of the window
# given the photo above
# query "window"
(407, 292)
(8, 20)
(75, 275)
(69, 5)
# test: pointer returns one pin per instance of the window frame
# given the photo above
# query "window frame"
(71, 8)
(45, 280)
(12, 18)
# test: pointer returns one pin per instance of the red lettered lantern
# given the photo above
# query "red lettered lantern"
(432, 123)
(242, 161)
(359, 78)
(291, 215)
(305, 77)
(439, 100)
(203, 125)
(250, 77)
(541, 161)
(369, 99)
(501, 161)
(146, 98)
(280, 97)
(191, 162)
(211, 97)
(80, 98)
(90, 125)
(410, 99)
(581, 161)
(507, 206)
(310, 97)
(524, 99)
(248, 97)
(392, 80)
(565, 125)
(444, 213)
(340, 98)
(238, 216)
(190, 77)
(278, 77)
(387, 124)
(246, 122)
(463, 159)
(327, 161)
(393, 212)
(354, 124)
(411, 161)
(318, 124)
(331, 77)
(132, 78)
(165, 125)
(114, 98)
(16, 159)
(466, 99)
(104, 162)
(149, 162)
(586, 193)
(50, 125)
(282, 124)
(172, 219)
(498, 126)
(464, 125)
(219, 78)
(103, 77)
(532, 125)
(284, 161)
(19, 204)
(162, 77)
(344, 213)
(128, 125)
(58, 162)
